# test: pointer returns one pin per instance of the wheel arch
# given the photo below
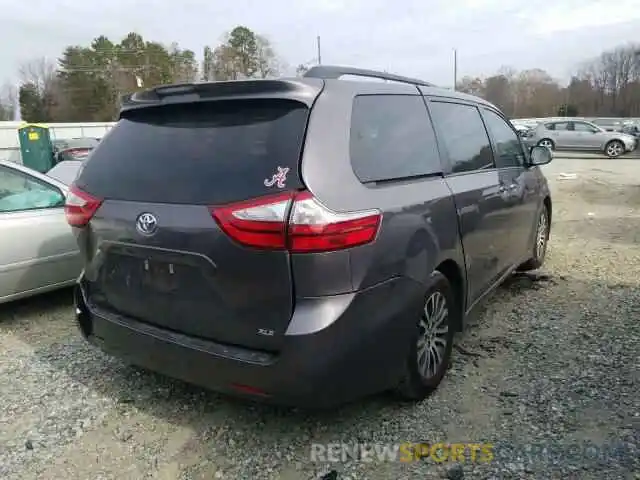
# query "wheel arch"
(454, 273)
(547, 203)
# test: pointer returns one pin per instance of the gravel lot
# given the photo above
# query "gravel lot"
(551, 362)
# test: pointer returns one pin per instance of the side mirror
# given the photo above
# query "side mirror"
(540, 155)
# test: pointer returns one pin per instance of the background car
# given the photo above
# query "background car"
(65, 171)
(608, 124)
(631, 128)
(580, 135)
(73, 149)
(38, 252)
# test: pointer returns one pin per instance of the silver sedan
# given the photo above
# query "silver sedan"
(580, 135)
(38, 251)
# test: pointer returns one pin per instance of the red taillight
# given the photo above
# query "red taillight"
(297, 222)
(80, 207)
(315, 228)
(256, 223)
(77, 152)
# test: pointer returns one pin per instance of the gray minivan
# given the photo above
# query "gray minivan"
(303, 241)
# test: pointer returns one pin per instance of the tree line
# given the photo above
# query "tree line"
(605, 86)
(87, 82)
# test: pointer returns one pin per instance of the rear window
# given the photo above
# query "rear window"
(392, 138)
(200, 153)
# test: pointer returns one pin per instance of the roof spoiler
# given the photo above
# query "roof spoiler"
(334, 72)
(304, 91)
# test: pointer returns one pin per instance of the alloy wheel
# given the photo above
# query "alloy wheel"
(542, 233)
(614, 149)
(432, 341)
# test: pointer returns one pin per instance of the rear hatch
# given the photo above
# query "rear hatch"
(154, 250)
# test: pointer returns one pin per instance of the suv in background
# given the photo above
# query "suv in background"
(303, 241)
(580, 135)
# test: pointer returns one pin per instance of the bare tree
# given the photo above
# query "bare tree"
(40, 72)
(8, 102)
(268, 63)
(471, 85)
(40, 75)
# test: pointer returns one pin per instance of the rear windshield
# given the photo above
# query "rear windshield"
(200, 153)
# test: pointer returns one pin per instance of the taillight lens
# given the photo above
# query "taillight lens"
(256, 223)
(296, 222)
(315, 228)
(80, 207)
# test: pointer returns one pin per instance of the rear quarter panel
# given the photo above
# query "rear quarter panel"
(419, 228)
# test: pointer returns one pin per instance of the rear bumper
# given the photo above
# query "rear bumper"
(360, 351)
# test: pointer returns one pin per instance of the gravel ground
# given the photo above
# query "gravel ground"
(552, 361)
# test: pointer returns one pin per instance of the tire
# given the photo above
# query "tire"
(614, 149)
(547, 142)
(539, 250)
(414, 385)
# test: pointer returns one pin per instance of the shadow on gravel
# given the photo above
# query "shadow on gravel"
(532, 372)
(26, 308)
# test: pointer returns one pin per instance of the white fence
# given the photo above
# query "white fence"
(10, 144)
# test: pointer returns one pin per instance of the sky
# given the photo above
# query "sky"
(407, 37)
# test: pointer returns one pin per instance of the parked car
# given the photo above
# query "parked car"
(524, 131)
(631, 128)
(65, 171)
(38, 251)
(580, 135)
(608, 124)
(302, 241)
(73, 149)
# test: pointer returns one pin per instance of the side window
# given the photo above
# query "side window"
(550, 126)
(20, 192)
(583, 127)
(562, 126)
(392, 138)
(463, 135)
(509, 151)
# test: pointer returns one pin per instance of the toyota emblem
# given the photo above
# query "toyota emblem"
(147, 224)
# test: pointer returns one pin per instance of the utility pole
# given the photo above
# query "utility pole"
(319, 54)
(455, 69)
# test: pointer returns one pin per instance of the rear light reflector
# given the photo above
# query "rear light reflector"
(297, 222)
(80, 207)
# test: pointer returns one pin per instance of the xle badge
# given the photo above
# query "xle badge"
(277, 179)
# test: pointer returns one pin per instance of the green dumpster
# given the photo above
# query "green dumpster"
(36, 147)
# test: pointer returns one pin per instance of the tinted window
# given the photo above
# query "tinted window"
(392, 137)
(560, 126)
(20, 192)
(200, 153)
(464, 136)
(508, 152)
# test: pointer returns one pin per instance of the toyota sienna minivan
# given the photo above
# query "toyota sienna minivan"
(302, 241)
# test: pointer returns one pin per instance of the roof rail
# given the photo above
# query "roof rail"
(326, 72)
